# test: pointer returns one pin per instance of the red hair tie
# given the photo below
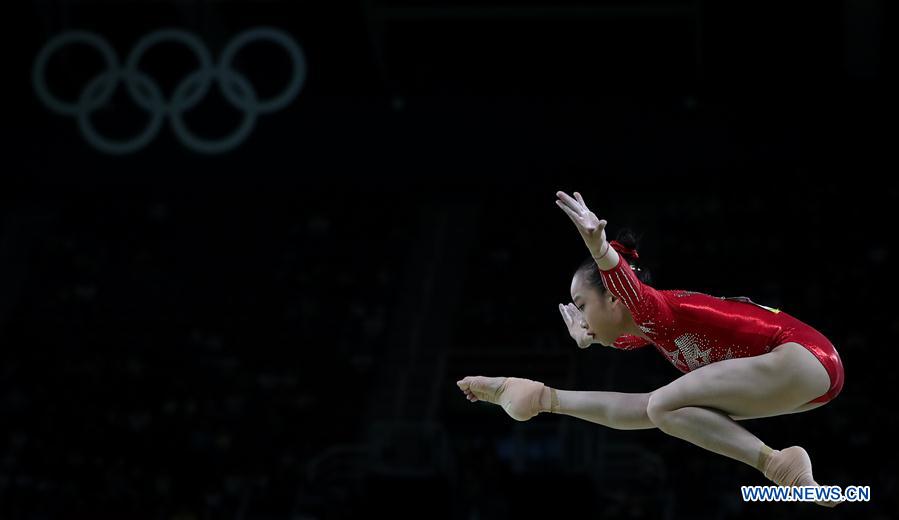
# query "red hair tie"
(626, 251)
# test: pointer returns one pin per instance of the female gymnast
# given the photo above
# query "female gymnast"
(740, 360)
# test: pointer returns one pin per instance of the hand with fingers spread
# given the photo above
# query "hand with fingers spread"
(591, 228)
(577, 327)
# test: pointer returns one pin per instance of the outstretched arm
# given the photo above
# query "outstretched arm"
(645, 303)
(591, 228)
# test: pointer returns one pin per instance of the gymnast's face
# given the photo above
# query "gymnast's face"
(601, 311)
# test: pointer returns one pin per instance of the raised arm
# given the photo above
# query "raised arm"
(645, 303)
(591, 228)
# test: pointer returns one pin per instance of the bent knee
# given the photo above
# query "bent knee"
(660, 408)
(675, 395)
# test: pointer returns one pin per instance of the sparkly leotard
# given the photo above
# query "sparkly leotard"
(694, 329)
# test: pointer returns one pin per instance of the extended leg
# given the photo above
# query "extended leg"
(621, 411)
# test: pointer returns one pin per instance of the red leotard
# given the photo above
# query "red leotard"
(693, 329)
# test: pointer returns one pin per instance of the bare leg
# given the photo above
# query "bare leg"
(713, 430)
(621, 411)
(697, 406)
(626, 411)
(617, 410)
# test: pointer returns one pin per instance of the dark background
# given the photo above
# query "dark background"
(275, 331)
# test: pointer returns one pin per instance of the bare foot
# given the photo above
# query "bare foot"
(520, 398)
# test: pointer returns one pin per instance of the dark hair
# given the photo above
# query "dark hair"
(628, 239)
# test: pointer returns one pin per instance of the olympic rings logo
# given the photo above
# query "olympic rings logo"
(235, 87)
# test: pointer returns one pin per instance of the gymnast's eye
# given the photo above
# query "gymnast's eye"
(581, 308)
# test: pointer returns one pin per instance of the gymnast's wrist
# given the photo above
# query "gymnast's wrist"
(603, 251)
